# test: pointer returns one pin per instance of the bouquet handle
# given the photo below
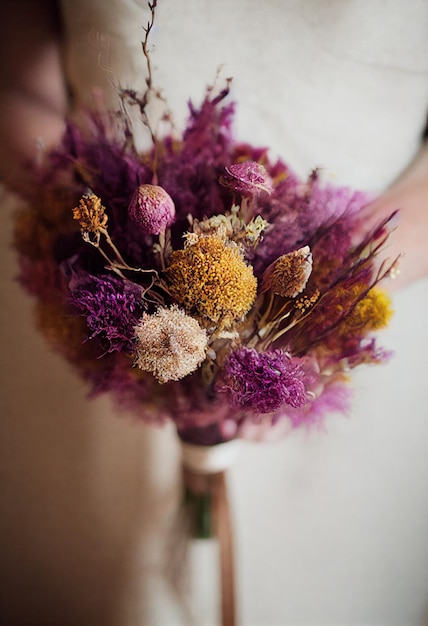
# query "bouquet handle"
(207, 496)
(224, 532)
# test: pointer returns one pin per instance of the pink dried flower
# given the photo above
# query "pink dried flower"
(248, 178)
(152, 208)
(335, 397)
(170, 344)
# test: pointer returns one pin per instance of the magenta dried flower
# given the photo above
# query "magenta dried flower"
(111, 306)
(152, 208)
(335, 397)
(264, 381)
(248, 178)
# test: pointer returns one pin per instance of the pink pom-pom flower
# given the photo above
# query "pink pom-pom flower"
(152, 208)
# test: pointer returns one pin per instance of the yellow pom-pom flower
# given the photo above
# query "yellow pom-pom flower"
(210, 279)
(372, 312)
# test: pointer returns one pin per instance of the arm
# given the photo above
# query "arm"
(33, 95)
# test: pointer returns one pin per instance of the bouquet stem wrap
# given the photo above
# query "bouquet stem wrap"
(207, 502)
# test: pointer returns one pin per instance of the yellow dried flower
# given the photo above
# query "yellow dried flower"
(210, 279)
(304, 303)
(67, 334)
(372, 312)
(288, 275)
(90, 214)
(32, 236)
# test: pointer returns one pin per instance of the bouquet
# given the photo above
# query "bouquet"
(201, 281)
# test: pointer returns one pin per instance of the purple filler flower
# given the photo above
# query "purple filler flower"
(112, 308)
(152, 208)
(264, 381)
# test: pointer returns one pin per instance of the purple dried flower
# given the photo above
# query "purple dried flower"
(335, 397)
(264, 381)
(152, 208)
(106, 160)
(191, 172)
(366, 350)
(304, 213)
(248, 178)
(112, 308)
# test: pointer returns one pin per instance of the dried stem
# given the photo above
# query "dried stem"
(142, 100)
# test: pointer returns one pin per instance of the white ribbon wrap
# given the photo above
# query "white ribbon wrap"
(210, 459)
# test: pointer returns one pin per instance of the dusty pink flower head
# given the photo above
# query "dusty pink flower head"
(248, 178)
(170, 344)
(152, 208)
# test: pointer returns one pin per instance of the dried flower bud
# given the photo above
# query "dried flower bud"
(288, 275)
(248, 178)
(152, 208)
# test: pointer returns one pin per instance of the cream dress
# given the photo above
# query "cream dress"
(331, 527)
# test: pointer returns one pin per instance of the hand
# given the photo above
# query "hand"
(409, 194)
